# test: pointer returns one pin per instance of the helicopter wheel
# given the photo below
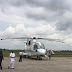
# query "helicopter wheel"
(39, 58)
(29, 56)
(24, 56)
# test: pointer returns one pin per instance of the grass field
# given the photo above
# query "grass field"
(63, 54)
(57, 54)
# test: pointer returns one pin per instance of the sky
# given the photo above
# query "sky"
(36, 18)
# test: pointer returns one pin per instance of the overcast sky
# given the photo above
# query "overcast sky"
(40, 18)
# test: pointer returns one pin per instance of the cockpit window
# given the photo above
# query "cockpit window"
(41, 47)
(36, 46)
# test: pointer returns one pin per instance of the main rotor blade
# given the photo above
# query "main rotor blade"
(49, 39)
(17, 38)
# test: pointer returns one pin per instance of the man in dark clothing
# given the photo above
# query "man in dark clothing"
(1, 57)
(20, 59)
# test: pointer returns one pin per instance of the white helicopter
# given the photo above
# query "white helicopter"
(33, 47)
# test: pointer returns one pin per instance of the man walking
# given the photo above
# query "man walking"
(20, 59)
(12, 60)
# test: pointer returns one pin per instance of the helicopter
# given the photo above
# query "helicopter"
(33, 47)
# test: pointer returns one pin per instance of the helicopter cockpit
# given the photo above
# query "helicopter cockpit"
(38, 46)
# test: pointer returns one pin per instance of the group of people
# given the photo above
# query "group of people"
(12, 59)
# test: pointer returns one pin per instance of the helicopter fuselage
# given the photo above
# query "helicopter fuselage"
(35, 49)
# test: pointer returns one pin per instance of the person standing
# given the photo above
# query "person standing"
(49, 55)
(12, 60)
(1, 57)
(20, 58)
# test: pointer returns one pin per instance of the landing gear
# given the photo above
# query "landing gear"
(29, 57)
(24, 56)
(39, 58)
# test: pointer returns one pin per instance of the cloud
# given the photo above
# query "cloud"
(68, 41)
(65, 22)
(21, 30)
(41, 10)
(9, 31)
(40, 14)
(1, 33)
(48, 4)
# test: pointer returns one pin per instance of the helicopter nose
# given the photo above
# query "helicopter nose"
(41, 51)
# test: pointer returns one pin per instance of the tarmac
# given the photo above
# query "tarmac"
(55, 64)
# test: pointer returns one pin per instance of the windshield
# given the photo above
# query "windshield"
(39, 47)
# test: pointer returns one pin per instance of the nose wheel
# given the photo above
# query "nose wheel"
(39, 58)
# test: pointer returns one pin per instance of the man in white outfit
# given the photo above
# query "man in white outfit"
(12, 60)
